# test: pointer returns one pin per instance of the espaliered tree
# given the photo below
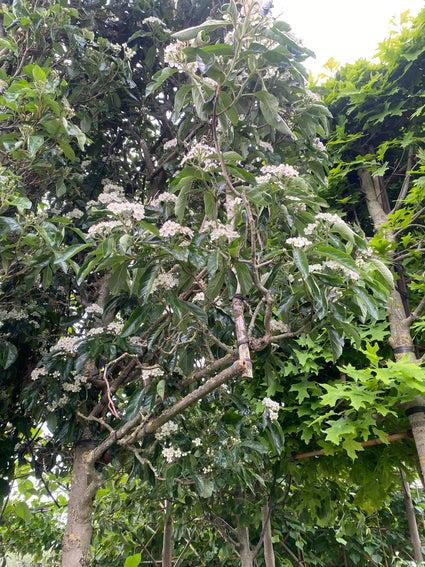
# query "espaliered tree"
(378, 147)
(162, 236)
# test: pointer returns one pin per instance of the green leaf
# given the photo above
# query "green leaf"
(133, 560)
(159, 78)
(300, 259)
(38, 73)
(231, 282)
(197, 311)
(22, 511)
(336, 342)
(341, 257)
(174, 302)
(134, 322)
(67, 150)
(160, 389)
(142, 287)
(245, 278)
(191, 33)
(269, 106)
(34, 144)
(8, 354)
(118, 280)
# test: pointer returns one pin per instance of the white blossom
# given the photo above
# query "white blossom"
(171, 228)
(198, 153)
(94, 308)
(156, 371)
(166, 430)
(277, 325)
(197, 442)
(170, 144)
(299, 242)
(272, 407)
(67, 344)
(104, 226)
(165, 281)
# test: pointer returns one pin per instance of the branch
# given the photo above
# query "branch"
(417, 312)
(405, 186)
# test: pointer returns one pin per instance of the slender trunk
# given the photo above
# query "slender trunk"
(411, 519)
(167, 541)
(401, 337)
(244, 545)
(267, 541)
(76, 544)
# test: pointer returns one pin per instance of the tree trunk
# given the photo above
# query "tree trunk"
(401, 337)
(267, 541)
(411, 519)
(244, 545)
(76, 544)
(167, 541)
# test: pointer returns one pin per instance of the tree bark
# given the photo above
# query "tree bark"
(76, 544)
(267, 541)
(244, 545)
(167, 541)
(411, 519)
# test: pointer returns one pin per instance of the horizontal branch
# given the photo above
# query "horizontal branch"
(377, 441)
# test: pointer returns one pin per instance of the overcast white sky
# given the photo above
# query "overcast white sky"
(343, 29)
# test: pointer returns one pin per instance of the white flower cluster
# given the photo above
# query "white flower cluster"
(163, 198)
(210, 82)
(165, 281)
(334, 266)
(273, 408)
(37, 372)
(152, 372)
(17, 314)
(95, 331)
(95, 309)
(166, 430)
(74, 214)
(171, 228)
(172, 453)
(319, 145)
(218, 230)
(103, 226)
(197, 442)
(79, 381)
(266, 146)
(175, 57)
(67, 344)
(58, 404)
(200, 296)
(118, 208)
(153, 20)
(198, 153)
(282, 170)
(279, 326)
(115, 327)
(299, 241)
(170, 144)
(313, 96)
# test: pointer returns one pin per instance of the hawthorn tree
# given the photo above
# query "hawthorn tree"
(162, 236)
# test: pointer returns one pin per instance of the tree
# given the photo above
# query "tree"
(378, 144)
(162, 235)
